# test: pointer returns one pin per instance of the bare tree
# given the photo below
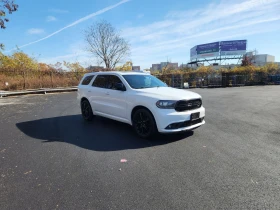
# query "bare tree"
(11, 7)
(106, 44)
(167, 66)
(247, 60)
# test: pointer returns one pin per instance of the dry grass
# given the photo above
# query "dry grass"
(39, 79)
(20, 81)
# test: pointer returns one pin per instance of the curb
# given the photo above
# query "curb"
(38, 91)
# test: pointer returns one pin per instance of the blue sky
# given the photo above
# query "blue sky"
(157, 30)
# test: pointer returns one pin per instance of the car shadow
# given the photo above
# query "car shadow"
(99, 135)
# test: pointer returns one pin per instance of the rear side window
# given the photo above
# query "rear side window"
(87, 80)
(101, 81)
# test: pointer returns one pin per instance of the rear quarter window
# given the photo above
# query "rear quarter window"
(87, 80)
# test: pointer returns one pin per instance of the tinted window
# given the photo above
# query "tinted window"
(101, 81)
(143, 81)
(113, 81)
(87, 80)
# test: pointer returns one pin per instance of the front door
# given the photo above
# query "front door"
(116, 99)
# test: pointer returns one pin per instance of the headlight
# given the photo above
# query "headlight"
(166, 104)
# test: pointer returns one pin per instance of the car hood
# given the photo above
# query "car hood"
(168, 93)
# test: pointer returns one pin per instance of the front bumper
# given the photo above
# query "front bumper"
(166, 117)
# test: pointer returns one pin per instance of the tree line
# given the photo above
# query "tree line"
(106, 44)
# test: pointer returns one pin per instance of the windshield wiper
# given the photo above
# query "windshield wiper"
(148, 87)
(140, 87)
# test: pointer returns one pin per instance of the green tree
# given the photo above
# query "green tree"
(247, 60)
(19, 61)
(270, 68)
(125, 67)
(74, 67)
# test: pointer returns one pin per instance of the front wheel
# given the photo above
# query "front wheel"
(144, 123)
(86, 110)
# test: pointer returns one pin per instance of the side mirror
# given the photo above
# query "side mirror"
(120, 87)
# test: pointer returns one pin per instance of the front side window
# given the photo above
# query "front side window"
(113, 81)
(101, 81)
(87, 80)
(143, 81)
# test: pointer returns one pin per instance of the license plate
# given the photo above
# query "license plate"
(195, 116)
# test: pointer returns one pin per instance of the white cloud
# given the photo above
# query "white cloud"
(84, 58)
(35, 31)
(181, 30)
(51, 19)
(75, 53)
(76, 23)
(178, 31)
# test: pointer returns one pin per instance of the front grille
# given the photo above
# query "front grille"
(183, 105)
(184, 124)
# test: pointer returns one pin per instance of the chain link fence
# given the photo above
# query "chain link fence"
(34, 80)
(223, 80)
(20, 80)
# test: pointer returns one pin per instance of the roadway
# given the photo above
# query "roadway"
(51, 159)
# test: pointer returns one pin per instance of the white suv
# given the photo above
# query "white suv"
(140, 100)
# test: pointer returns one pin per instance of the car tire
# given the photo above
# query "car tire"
(86, 110)
(144, 123)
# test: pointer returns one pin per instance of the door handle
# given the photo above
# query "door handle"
(107, 94)
(89, 91)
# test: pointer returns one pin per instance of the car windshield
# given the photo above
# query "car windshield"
(143, 81)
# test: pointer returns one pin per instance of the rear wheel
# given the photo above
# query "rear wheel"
(144, 123)
(86, 110)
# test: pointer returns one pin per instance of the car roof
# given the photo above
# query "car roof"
(117, 72)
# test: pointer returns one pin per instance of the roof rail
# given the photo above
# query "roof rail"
(142, 71)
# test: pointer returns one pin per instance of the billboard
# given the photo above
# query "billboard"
(216, 49)
(193, 53)
(235, 47)
(208, 50)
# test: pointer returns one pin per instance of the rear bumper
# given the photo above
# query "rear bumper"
(166, 117)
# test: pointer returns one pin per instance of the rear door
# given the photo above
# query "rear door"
(99, 94)
(84, 87)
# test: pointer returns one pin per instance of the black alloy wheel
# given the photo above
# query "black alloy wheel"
(144, 123)
(86, 110)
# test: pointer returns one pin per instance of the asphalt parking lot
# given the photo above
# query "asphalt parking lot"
(51, 159)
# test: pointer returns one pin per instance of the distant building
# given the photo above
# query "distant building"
(193, 65)
(156, 67)
(136, 68)
(163, 64)
(228, 66)
(184, 66)
(262, 59)
(172, 66)
(159, 67)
